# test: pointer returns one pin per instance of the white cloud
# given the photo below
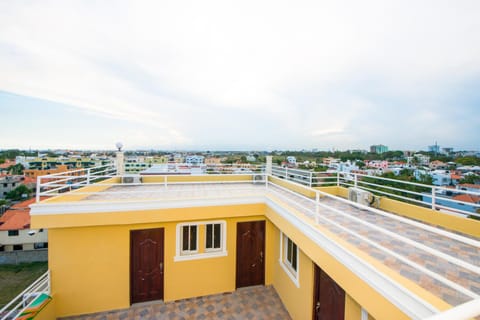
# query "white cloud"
(298, 73)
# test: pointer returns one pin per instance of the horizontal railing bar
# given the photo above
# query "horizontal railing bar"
(432, 274)
(464, 311)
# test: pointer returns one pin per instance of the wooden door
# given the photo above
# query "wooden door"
(250, 254)
(146, 265)
(328, 298)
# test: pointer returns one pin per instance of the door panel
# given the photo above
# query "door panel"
(328, 298)
(250, 269)
(146, 265)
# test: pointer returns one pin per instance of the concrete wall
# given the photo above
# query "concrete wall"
(16, 257)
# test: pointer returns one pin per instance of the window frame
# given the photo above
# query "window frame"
(201, 251)
(13, 233)
(292, 272)
(213, 249)
(188, 251)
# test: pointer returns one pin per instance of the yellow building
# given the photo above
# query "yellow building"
(113, 245)
(34, 173)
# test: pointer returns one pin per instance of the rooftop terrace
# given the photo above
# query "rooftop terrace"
(378, 246)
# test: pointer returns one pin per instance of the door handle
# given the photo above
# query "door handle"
(161, 267)
(317, 306)
(261, 256)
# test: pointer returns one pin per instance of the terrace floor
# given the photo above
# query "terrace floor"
(257, 303)
(444, 264)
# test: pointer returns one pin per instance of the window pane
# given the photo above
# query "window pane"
(185, 238)
(217, 236)
(294, 256)
(208, 245)
(289, 250)
(193, 238)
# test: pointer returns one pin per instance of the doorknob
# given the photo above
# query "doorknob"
(161, 266)
(317, 306)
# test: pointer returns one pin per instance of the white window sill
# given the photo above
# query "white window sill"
(197, 256)
(290, 274)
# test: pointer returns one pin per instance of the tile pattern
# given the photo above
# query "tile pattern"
(455, 273)
(255, 303)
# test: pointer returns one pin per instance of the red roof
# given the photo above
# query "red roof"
(467, 198)
(7, 164)
(18, 216)
(455, 176)
(470, 185)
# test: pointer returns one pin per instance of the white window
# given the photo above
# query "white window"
(189, 239)
(289, 256)
(214, 244)
(213, 237)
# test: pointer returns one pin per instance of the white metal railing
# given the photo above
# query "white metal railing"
(464, 311)
(54, 184)
(26, 297)
(201, 168)
(434, 197)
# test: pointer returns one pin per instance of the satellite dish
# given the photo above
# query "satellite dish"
(119, 146)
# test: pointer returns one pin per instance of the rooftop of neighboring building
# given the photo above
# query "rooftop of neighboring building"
(18, 216)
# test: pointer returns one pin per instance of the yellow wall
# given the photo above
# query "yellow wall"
(433, 217)
(293, 186)
(297, 300)
(90, 267)
(447, 221)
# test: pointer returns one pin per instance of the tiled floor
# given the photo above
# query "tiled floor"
(379, 229)
(257, 303)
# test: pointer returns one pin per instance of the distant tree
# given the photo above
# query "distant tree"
(19, 193)
(360, 164)
(470, 178)
(16, 169)
(468, 161)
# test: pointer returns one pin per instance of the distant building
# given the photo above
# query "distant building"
(292, 160)
(8, 183)
(194, 160)
(34, 173)
(15, 232)
(447, 151)
(434, 148)
(378, 148)
(438, 165)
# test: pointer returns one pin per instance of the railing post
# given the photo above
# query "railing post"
(37, 193)
(88, 176)
(433, 197)
(338, 178)
(286, 173)
(355, 182)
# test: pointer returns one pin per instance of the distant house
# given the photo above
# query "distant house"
(15, 232)
(292, 160)
(438, 165)
(441, 177)
(194, 160)
(8, 183)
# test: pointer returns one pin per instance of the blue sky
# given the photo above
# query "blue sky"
(239, 75)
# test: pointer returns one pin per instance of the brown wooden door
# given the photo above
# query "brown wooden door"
(328, 298)
(250, 254)
(146, 265)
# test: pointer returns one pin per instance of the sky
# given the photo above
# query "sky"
(239, 75)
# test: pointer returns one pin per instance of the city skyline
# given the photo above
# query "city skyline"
(249, 76)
